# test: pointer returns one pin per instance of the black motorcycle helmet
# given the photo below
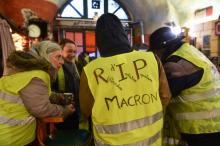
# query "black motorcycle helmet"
(163, 37)
(163, 42)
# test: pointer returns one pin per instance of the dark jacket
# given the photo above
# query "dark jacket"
(71, 86)
(71, 79)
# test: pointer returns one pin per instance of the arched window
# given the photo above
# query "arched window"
(76, 21)
(91, 9)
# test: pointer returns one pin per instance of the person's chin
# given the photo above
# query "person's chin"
(69, 60)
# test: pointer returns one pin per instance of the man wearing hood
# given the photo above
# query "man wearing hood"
(123, 89)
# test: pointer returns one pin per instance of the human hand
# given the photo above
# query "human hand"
(68, 109)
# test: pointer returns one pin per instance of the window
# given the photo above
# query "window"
(77, 37)
(73, 9)
(70, 12)
(115, 8)
(78, 5)
(80, 24)
(90, 41)
(89, 9)
(95, 8)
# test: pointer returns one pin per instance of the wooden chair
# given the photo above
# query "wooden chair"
(48, 135)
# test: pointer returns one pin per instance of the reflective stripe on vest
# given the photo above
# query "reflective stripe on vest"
(198, 115)
(202, 114)
(10, 121)
(146, 142)
(15, 122)
(124, 127)
(198, 96)
(118, 83)
(61, 80)
(11, 98)
(14, 117)
(170, 141)
(197, 109)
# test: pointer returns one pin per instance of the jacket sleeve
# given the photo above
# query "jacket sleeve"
(35, 97)
(85, 96)
(182, 75)
(164, 90)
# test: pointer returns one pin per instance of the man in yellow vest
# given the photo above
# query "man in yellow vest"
(25, 93)
(195, 84)
(123, 89)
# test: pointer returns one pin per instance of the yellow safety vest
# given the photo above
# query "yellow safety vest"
(17, 125)
(197, 109)
(127, 108)
(61, 80)
(83, 123)
(171, 135)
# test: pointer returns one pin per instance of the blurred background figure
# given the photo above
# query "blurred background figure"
(68, 81)
(82, 60)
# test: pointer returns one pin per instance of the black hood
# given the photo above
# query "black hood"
(111, 39)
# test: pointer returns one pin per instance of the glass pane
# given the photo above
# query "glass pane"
(69, 35)
(112, 6)
(69, 12)
(78, 4)
(79, 38)
(79, 42)
(121, 14)
(90, 41)
(95, 8)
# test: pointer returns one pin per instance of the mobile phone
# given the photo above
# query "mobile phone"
(68, 97)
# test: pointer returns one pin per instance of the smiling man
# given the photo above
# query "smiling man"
(68, 81)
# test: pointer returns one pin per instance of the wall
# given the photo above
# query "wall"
(12, 9)
(207, 29)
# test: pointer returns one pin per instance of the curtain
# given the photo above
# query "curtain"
(7, 44)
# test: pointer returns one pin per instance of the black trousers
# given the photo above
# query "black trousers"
(208, 139)
(70, 123)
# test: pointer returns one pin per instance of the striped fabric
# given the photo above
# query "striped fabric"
(6, 42)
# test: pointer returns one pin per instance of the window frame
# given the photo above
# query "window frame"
(85, 10)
